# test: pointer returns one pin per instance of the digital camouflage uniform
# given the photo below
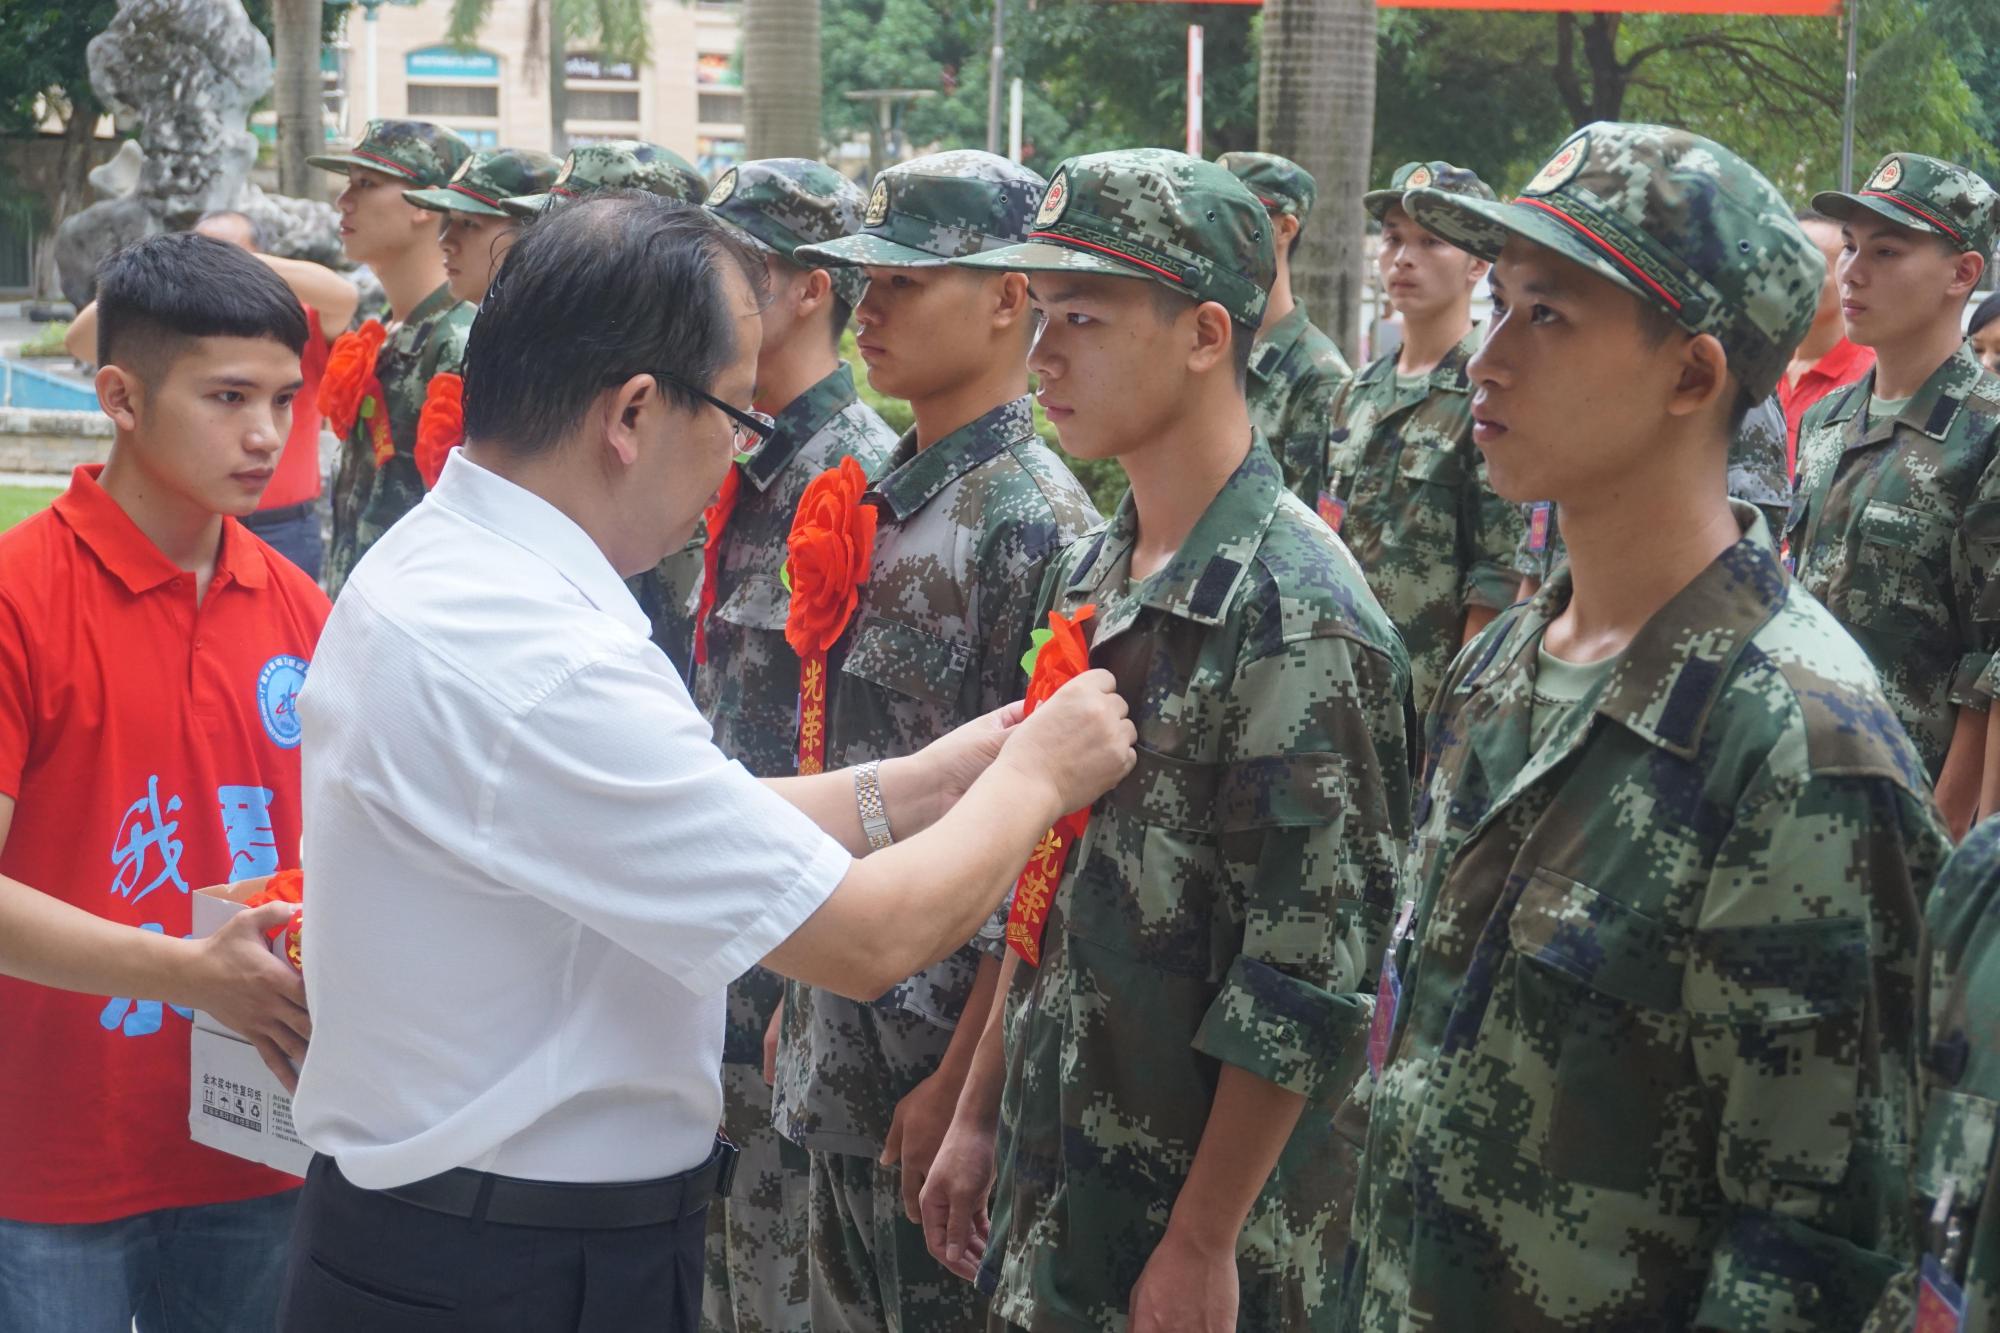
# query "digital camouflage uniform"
(1651, 1066)
(1757, 476)
(485, 181)
(748, 689)
(666, 592)
(1896, 526)
(1294, 366)
(965, 530)
(1229, 901)
(367, 500)
(1955, 1152)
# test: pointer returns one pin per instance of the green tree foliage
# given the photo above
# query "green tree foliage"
(45, 41)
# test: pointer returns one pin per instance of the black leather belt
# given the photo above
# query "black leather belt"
(509, 1202)
(284, 515)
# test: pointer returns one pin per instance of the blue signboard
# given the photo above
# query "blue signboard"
(444, 62)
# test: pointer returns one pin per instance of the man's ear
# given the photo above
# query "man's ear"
(1704, 376)
(121, 394)
(814, 293)
(1475, 270)
(1971, 266)
(1212, 333)
(626, 408)
(1284, 226)
(1011, 304)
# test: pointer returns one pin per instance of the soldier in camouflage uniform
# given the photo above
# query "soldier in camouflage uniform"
(477, 230)
(1757, 477)
(1955, 1208)
(427, 331)
(1399, 479)
(1897, 521)
(665, 593)
(747, 685)
(1201, 999)
(972, 506)
(1647, 1026)
(1294, 367)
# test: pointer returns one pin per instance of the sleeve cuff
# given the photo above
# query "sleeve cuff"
(786, 913)
(1974, 684)
(1287, 1031)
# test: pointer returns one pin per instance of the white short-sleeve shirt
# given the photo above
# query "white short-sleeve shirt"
(529, 872)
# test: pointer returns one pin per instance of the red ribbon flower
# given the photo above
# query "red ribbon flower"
(441, 425)
(287, 886)
(830, 547)
(349, 391)
(1060, 654)
(715, 520)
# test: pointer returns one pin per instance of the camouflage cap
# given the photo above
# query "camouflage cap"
(1280, 184)
(617, 164)
(1156, 214)
(486, 179)
(930, 210)
(1425, 176)
(1679, 221)
(412, 150)
(1924, 194)
(785, 203)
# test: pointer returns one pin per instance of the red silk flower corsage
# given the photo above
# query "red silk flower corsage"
(287, 886)
(441, 425)
(830, 547)
(350, 393)
(715, 522)
(1059, 655)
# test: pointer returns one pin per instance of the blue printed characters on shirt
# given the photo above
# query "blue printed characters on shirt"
(278, 686)
(145, 834)
(140, 1018)
(246, 823)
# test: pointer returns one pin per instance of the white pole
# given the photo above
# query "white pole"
(1014, 122)
(1847, 102)
(1194, 90)
(374, 66)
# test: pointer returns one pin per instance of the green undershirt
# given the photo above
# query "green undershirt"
(1559, 687)
(1881, 409)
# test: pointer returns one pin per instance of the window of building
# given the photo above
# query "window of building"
(719, 109)
(603, 103)
(442, 101)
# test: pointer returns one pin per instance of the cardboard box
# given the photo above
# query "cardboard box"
(235, 1104)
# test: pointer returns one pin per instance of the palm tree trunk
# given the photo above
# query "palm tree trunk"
(295, 93)
(1316, 105)
(781, 78)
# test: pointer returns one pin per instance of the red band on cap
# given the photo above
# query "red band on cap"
(567, 194)
(474, 194)
(1948, 229)
(1608, 248)
(388, 162)
(1090, 245)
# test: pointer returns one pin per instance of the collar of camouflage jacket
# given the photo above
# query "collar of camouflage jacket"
(1668, 678)
(798, 423)
(439, 302)
(1932, 410)
(1275, 343)
(915, 476)
(1447, 376)
(1200, 581)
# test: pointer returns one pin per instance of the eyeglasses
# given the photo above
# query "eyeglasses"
(749, 429)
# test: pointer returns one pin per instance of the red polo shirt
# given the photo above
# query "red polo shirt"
(1844, 363)
(151, 747)
(297, 478)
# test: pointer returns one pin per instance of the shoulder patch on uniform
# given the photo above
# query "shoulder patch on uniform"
(1942, 413)
(878, 204)
(1213, 586)
(1889, 177)
(1055, 201)
(1419, 178)
(1559, 170)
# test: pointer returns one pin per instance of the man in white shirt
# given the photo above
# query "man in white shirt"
(532, 874)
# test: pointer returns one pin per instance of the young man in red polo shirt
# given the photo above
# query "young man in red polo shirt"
(1827, 358)
(150, 651)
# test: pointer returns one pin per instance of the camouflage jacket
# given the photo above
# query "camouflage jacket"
(1652, 1063)
(1758, 475)
(1956, 1151)
(1896, 528)
(749, 687)
(1227, 905)
(1409, 489)
(367, 500)
(1294, 371)
(966, 529)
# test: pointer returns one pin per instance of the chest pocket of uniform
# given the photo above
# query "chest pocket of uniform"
(757, 603)
(1901, 567)
(908, 661)
(1956, 1149)
(1595, 1022)
(1428, 465)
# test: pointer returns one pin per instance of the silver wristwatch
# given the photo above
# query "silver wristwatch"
(868, 797)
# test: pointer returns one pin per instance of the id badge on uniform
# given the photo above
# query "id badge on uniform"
(1940, 1300)
(1388, 993)
(1538, 525)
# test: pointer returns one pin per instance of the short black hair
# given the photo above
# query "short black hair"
(1986, 312)
(1169, 305)
(842, 313)
(617, 284)
(1805, 215)
(159, 294)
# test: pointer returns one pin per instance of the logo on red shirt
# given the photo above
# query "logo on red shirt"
(278, 686)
